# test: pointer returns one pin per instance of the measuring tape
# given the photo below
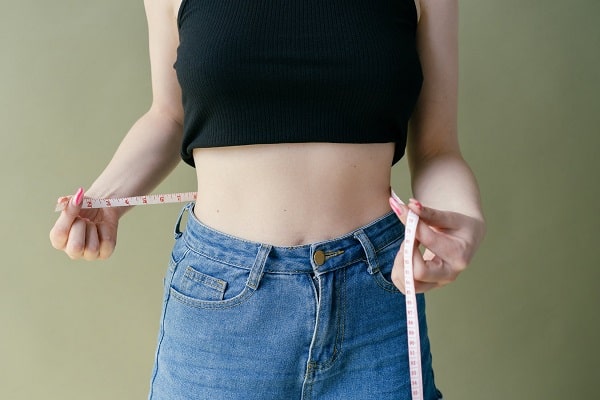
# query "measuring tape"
(134, 201)
(412, 318)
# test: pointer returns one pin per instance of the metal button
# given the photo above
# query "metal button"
(319, 257)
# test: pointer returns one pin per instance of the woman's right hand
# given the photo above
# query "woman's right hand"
(90, 234)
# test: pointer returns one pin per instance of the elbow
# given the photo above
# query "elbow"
(171, 115)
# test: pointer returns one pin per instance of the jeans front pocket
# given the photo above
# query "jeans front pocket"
(205, 282)
(385, 261)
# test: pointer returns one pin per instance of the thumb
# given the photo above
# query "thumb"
(74, 205)
(399, 208)
(70, 205)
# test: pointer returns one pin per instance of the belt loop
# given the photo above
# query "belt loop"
(176, 231)
(373, 266)
(256, 272)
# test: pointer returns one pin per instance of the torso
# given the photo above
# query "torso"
(292, 194)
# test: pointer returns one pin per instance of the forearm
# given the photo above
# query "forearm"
(147, 154)
(445, 181)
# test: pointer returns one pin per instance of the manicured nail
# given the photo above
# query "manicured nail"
(417, 203)
(77, 199)
(395, 207)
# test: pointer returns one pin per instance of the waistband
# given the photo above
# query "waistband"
(318, 258)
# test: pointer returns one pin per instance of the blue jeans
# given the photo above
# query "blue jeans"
(245, 320)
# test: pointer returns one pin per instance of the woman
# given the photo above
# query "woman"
(285, 282)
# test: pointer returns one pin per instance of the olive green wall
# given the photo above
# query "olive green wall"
(521, 323)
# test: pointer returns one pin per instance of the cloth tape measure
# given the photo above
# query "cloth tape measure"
(134, 201)
(412, 319)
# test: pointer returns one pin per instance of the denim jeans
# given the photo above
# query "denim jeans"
(246, 320)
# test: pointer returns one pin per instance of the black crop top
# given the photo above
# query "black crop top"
(290, 71)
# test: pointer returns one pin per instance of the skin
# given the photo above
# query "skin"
(290, 194)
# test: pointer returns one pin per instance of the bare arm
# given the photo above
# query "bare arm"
(449, 202)
(150, 150)
(147, 154)
(440, 176)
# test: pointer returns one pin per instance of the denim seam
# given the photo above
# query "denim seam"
(172, 264)
(191, 249)
(340, 331)
(388, 244)
(385, 285)
(177, 260)
(309, 382)
(340, 322)
(254, 278)
(371, 259)
(245, 294)
(204, 279)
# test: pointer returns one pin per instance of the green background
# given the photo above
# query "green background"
(521, 323)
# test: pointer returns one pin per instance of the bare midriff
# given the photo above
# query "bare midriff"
(292, 194)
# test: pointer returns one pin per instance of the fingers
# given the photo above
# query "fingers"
(398, 270)
(434, 271)
(107, 240)
(428, 274)
(83, 241)
(439, 231)
(449, 239)
(79, 237)
(92, 242)
(434, 217)
(75, 245)
(60, 232)
(429, 237)
(398, 207)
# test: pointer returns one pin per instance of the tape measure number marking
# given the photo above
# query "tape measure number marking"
(134, 201)
(412, 316)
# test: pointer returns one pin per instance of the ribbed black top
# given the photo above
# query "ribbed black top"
(290, 71)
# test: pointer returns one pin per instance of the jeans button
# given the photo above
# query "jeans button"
(319, 257)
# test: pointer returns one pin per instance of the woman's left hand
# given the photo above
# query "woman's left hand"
(450, 240)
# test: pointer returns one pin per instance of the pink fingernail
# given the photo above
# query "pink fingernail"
(417, 203)
(77, 199)
(395, 207)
